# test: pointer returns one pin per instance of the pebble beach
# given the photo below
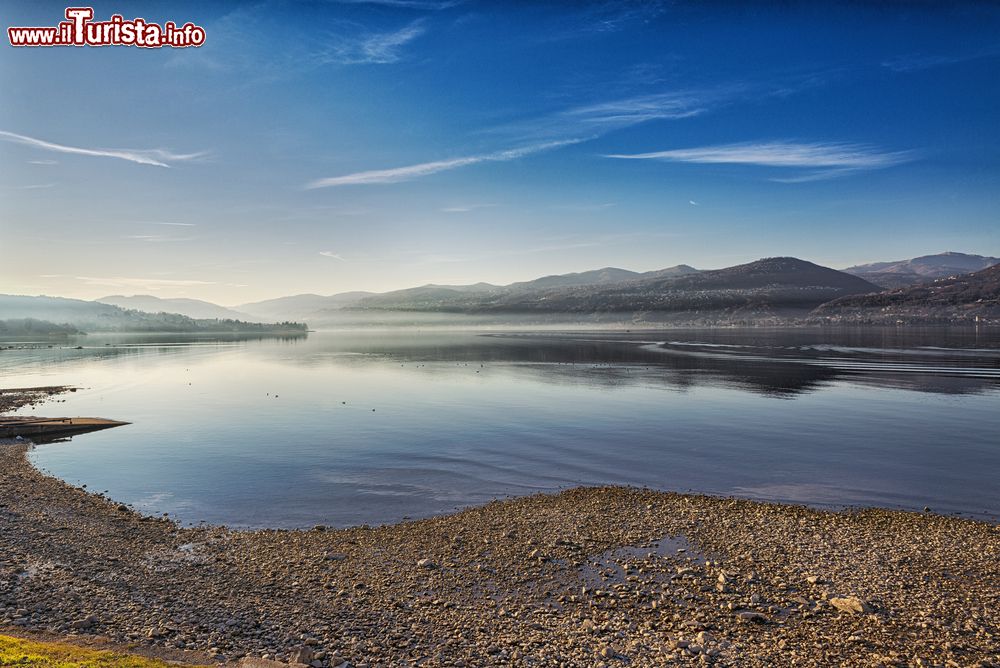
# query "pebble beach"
(606, 576)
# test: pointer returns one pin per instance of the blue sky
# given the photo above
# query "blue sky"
(332, 146)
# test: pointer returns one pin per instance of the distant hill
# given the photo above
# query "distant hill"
(475, 287)
(971, 297)
(60, 310)
(300, 307)
(678, 270)
(33, 327)
(605, 276)
(770, 286)
(766, 273)
(921, 269)
(192, 308)
(424, 294)
(97, 317)
(315, 308)
(451, 297)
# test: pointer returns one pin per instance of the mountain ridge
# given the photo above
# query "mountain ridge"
(192, 308)
(309, 305)
(971, 297)
(769, 289)
(784, 282)
(901, 273)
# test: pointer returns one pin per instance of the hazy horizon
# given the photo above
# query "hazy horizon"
(378, 145)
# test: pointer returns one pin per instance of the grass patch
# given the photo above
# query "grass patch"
(19, 653)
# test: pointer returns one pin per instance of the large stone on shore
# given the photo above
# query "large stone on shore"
(301, 655)
(751, 616)
(851, 604)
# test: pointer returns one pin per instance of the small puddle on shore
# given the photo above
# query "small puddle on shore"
(36, 569)
(165, 560)
(613, 566)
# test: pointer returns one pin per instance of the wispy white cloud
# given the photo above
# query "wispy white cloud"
(150, 222)
(378, 48)
(394, 175)
(335, 256)
(157, 238)
(915, 62)
(601, 117)
(832, 159)
(240, 40)
(465, 208)
(410, 172)
(607, 17)
(385, 47)
(156, 156)
(43, 162)
(35, 186)
(821, 175)
(633, 110)
(578, 124)
(693, 203)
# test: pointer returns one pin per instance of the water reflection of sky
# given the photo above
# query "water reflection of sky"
(348, 428)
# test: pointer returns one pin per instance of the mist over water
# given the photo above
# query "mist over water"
(343, 428)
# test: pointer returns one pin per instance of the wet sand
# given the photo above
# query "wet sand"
(581, 578)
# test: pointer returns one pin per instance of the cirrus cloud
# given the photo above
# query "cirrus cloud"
(410, 172)
(156, 156)
(827, 159)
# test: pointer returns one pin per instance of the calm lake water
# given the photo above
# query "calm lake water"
(343, 428)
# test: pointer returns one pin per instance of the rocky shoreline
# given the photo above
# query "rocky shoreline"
(589, 577)
(19, 397)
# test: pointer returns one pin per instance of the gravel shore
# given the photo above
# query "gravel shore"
(588, 577)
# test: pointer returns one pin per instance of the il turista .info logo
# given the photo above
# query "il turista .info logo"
(80, 29)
